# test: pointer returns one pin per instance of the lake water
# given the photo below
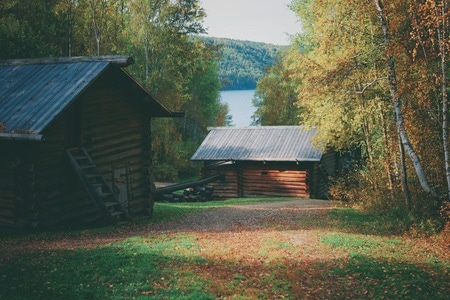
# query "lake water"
(240, 106)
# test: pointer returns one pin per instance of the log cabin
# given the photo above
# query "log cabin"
(75, 142)
(266, 161)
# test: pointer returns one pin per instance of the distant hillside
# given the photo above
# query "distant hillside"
(243, 62)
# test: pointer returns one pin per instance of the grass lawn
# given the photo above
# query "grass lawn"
(340, 254)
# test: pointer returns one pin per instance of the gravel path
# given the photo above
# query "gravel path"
(249, 216)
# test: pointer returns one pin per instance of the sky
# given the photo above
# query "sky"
(268, 21)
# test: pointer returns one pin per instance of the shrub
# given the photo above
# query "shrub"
(369, 190)
(165, 172)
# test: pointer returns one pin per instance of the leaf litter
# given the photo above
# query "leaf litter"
(273, 250)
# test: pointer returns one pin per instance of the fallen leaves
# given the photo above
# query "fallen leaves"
(254, 255)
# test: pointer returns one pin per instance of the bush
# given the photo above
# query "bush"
(369, 190)
(165, 172)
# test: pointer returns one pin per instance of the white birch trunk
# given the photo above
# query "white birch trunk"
(398, 107)
(443, 54)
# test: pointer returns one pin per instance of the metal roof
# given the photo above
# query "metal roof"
(259, 143)
(31, 96)
(34, 92)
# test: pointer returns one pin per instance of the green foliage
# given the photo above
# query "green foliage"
(175, 66)
(28, 29)
(242, 63)
(165, 172)
(335, 77)
(344, 256)
(367, 190)
(276, 95)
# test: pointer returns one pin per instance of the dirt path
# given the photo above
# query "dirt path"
(249, 216)
(217, 223)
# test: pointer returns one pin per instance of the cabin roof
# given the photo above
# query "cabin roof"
(259, 143)
(33, 92)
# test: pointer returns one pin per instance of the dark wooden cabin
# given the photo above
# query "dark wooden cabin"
(75, 143)
(266, 161)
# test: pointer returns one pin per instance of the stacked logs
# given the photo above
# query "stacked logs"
(194, 191)
(191, 194)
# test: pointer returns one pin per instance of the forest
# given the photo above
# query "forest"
(372, 77)
(243, 63)
(171, 61)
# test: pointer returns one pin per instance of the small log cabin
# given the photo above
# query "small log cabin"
(266, 161)
(75, 142)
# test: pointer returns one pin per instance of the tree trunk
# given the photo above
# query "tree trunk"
(387, 154)
(404, 140)
(405, 186)
(443, 53)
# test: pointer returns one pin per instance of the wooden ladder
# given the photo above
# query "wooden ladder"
(95, 185)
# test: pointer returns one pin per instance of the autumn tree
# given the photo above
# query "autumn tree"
(392, 77)
(375, 77)
(276, 95)
(339, 77)
(430, 21)
(68, 13)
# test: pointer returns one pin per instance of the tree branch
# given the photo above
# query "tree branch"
(370, 84)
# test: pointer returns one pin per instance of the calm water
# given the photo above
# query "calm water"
(240, 106)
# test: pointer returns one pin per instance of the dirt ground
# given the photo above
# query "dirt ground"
(248, 217)
(250, 248)
(224, 224)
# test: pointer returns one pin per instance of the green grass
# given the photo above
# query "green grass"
(363, 257)
(387, 268)
(123, 270)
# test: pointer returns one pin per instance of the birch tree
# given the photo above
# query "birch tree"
(68, 9)
(98, 12)
(430, 23)
(392, 77)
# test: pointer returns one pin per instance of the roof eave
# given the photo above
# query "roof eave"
(260, 159)
(117, 60)
(21, 137)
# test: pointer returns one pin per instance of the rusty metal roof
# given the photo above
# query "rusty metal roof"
(34, 92)
(259, 143)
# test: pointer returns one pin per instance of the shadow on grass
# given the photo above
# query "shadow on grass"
(170, 267)
(356, 221)
(381, 278)
(122, 270)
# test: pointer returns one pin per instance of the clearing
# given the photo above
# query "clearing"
(296, 249)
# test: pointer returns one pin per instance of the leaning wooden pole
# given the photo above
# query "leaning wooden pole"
(180, 186)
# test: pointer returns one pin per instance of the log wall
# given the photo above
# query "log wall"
(258, 180)
(60, 198)
(323, 172)
(37, 186)
(275, 183)
(15, 186)
(230, 187)
(116, 133)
